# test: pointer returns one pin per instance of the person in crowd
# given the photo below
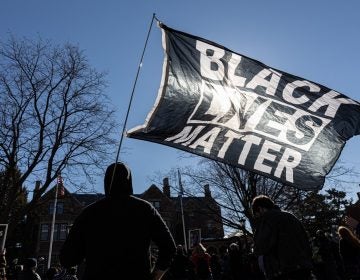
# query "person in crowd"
(281, 242)
(71, 275)
(353, 224)
(14, 269)
(68, 274)
(324, 258)
(113, 235)
(215, 264)
(349, 248)
(201, 260)
(29, 270)
(179, 268)
(51, 273)
(235, 261)
(3, 264)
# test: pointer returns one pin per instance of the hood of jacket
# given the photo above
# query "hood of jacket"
(118, 181)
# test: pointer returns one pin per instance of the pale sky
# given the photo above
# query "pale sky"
(316, 40)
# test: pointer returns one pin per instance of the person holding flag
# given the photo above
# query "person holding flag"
(114, 234)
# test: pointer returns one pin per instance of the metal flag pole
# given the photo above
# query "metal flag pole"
(182, 209)
(53, 225)
(4, 233)
(131, 97)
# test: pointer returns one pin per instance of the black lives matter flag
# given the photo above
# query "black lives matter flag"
(230, 108)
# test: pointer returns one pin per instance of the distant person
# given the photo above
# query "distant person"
(29, 271)
(215, 264)
(353, 224)
(349, 248)
(51, 273)
(68, 274)
(236, 262)
(324, 258)
(3, 264)
(179, 268)
(71, 274)
(281, 243)
(113, 235)
(201, 260)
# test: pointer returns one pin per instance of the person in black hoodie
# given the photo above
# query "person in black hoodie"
(113, 235)
(281, 242)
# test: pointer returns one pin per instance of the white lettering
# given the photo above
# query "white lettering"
(234, 80)
(332, 103)
(230, 137)
(260, 80)
(207, 140)
(186, 135)
(290, 87)
(285, 163)
(265, 155)
(210, 65)
(249, 141)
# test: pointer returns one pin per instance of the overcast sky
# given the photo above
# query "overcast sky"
(316, 40)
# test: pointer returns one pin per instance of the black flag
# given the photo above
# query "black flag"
(228, 107)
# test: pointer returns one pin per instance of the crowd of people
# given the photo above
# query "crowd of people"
(118, 247)
(29, 270)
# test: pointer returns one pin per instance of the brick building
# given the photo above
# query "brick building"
(200, 214)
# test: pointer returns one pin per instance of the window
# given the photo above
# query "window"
(59, 207)
(44, 232)
(60, 231)
(156, 204)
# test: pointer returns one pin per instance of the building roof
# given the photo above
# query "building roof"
(87, 198)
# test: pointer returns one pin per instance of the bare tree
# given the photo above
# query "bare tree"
(54, 116)
(234, 189)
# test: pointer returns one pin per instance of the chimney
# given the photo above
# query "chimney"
(166, 187)
(207, 190)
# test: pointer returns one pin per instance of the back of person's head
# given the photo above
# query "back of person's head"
(18, 268)
(30, 263)
(179, 249)
(199, 249)
(118, 181)
(234, 247)
(51, 273)
(264, 202)
(345, 233)
(72, 270)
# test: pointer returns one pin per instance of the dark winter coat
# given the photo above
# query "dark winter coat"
(282, 241)
(113, 235)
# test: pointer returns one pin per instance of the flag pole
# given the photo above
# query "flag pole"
(4, 237)
(182, 210)
(133, 89)
(53, 224)
(131, 96)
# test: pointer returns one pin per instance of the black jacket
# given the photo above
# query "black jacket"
(282, 241)
(113, 236)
